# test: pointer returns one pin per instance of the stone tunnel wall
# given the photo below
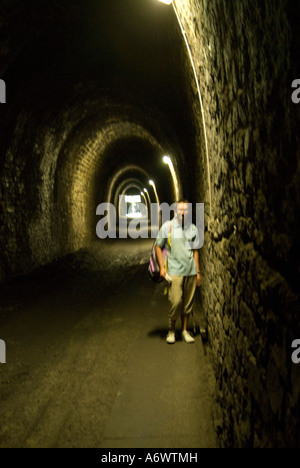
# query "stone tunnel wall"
(246, 59)
(69, 97)
(51, 164)
(28, 173)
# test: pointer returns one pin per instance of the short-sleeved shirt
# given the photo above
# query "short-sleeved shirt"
(183, 241)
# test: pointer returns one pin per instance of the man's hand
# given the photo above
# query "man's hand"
(199, 280)
(163, 272)
(159, 256)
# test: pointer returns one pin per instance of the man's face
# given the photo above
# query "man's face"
(182, 212)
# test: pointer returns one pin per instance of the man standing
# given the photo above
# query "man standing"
(181, 239)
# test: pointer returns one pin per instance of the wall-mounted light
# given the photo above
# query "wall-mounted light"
(167, 160)
(167, 2)
(152, 183)
(143, 195)
(157, 211)
(148, 196)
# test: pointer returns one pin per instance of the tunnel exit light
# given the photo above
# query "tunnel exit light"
(132, 198)
(167, 2)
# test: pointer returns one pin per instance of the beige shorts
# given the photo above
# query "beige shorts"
(181, 295)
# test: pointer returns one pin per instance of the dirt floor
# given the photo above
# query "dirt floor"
(87, 362)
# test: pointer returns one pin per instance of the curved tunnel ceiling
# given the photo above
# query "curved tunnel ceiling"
(121, 181)
(93, 164)
(96, 87)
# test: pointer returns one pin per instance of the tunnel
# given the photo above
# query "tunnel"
(94, 94)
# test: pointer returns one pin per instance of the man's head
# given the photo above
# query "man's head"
(183, 212)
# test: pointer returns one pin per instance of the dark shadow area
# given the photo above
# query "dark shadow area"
(79, 278)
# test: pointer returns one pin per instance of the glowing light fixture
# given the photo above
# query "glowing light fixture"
(158, 213)
(167, 2)
(167, 160)
(143, 195)
(152, 183)
(148, 196)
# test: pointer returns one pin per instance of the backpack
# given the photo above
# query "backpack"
(153, 268)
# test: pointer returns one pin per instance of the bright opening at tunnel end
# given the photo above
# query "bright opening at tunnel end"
(167, 2)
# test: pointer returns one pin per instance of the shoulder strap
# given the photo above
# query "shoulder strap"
(169, 236)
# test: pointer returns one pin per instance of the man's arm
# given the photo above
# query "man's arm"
(196, 258)
(160, 260)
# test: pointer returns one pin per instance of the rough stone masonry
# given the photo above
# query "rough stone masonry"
(246, 56)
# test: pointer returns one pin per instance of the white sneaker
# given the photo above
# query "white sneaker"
(171, 337)
(187, 337)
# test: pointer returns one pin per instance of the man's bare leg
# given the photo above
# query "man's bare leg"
(185, 334)
(184, 321)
